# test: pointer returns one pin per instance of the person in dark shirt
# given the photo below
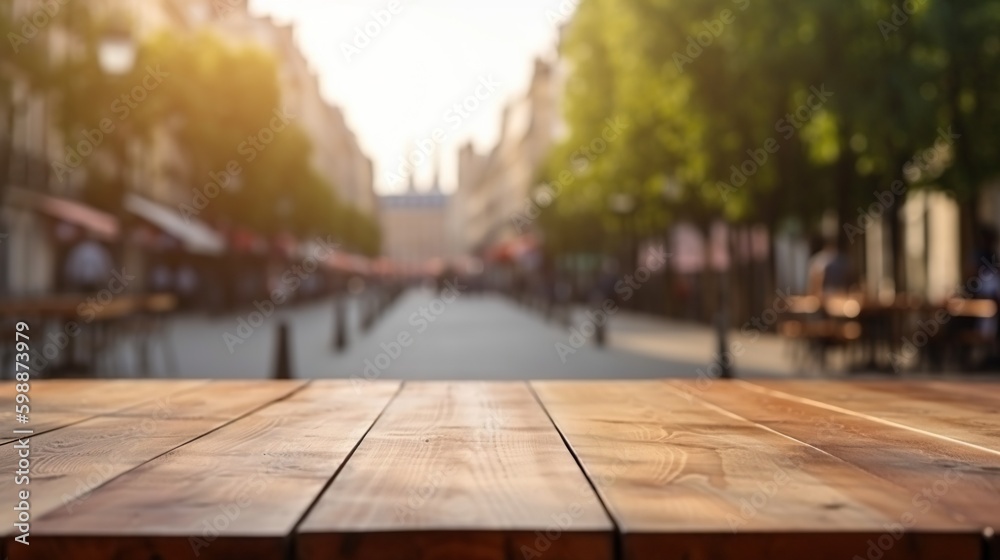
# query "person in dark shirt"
(831, 271)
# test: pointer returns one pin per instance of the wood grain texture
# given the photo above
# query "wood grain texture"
(95, 396)
(464, 471)
(62, 402)
(234, 493)
(985, 392)
(915, 405)
(686, 480)
(962, 479)
(68, 463)
(241, 396)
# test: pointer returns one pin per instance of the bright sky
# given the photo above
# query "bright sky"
(430, 55)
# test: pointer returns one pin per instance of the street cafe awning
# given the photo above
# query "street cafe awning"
(284, 244)
(102, 225)
(383, 266)
(195, 236)
(243, 240)
(513, 249)
(346, 262)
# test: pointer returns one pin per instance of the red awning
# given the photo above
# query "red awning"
(245, 241)
(285, 244)
(512, 249)
(346, 262)
(101, 224)
(383, 267)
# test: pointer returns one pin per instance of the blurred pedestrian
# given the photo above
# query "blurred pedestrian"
(830, 270)
(188, 285)
(982, 266)
(161, 278)
(88, 266)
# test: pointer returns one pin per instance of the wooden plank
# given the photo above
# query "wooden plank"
(40, 422)
(911, 404)
(960, 478)
(68, 463)
(685, 480)
(986, 393)
(94, 396)
(234, 493)
(242, 396)
(458, 471)
(58, 403)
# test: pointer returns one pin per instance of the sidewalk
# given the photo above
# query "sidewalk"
(765, 355)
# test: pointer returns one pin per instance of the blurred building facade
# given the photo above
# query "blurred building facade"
(336, 155)
(35, 141)
(414, 227)
(33, 150)
(494, 186)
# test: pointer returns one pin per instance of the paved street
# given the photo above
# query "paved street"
(473, 337)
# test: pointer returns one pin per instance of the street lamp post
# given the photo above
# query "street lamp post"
(723, 357)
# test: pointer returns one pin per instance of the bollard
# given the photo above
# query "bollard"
(367, 312)
(283, 357)
(721, 329)
(599, 333)
(339, 325)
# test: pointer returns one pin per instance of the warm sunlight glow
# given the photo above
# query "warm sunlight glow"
(397, 81)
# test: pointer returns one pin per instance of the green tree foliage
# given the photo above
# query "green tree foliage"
(770, 109)
(219, 104)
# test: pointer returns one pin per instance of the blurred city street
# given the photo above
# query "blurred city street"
(475, 337)
(419, 273)
(184, 184)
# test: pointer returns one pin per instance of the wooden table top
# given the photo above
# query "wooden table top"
(561, 470)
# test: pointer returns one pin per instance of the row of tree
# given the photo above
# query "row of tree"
(770, 111)
(245, 160)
